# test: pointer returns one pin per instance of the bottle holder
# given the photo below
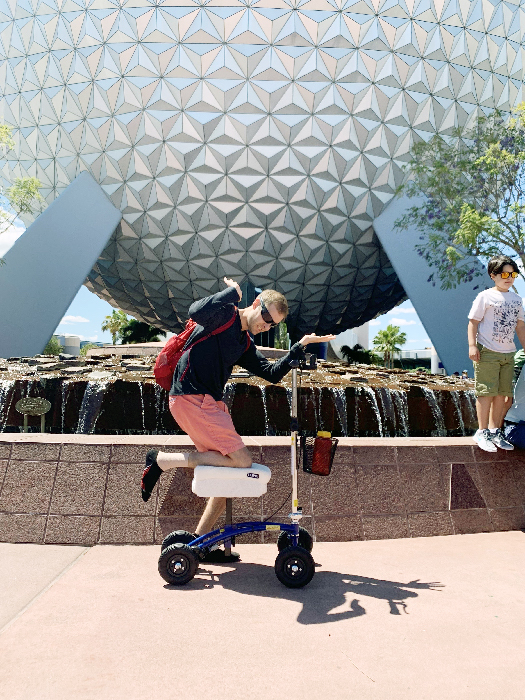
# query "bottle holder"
(322, 467)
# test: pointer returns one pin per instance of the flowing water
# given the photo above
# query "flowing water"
(439, 423)
(90, 407)
(339, 399)
(6, 399)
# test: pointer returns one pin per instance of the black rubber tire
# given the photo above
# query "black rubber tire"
(178, 564)
(294, 567)
(305, 540)
(181, 536)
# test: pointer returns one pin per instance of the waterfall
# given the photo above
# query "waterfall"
(375, 407)
(470, 396)
(387, 405)
(436, 411)
(289, 397)
(266, 421)
(159, 395)
(229, 395)
(142, 406)
(456, 398)
(401, 403)
(6, 387)
(64, 388)
(90, 408)
(339, 399)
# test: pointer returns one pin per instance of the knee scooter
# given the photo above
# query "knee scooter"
(294, 565)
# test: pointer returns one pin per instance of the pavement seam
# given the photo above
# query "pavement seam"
(44, 590)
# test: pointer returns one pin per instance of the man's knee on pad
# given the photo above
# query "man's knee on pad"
(241, 459)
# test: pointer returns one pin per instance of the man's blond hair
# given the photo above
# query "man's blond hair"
(270, 296)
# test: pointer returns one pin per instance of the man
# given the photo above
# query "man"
(201, 375)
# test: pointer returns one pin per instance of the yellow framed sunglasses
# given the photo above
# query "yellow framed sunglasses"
(506, 275)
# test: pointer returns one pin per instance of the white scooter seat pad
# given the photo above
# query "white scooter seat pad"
(230, 482)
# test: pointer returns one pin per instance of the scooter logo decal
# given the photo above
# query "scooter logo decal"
(252, 475)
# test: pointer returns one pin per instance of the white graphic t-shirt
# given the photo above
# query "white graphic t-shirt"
(498, 312)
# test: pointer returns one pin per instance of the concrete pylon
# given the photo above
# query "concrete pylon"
(48, 264)
(443, 313)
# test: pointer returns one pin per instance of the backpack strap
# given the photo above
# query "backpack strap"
(222, 328)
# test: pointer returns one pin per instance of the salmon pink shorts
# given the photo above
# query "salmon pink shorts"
(207, 422)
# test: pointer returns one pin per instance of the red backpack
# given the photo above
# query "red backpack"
(171, 353)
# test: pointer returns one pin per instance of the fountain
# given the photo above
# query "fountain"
(347, 400)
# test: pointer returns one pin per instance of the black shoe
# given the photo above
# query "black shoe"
(219, 556)
(150, 475)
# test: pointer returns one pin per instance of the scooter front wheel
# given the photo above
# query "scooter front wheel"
(305, 540)
(294, 567)
(178, 564)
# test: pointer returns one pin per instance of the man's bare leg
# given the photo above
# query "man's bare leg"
(171, 460)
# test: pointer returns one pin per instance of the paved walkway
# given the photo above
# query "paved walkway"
(437, 617)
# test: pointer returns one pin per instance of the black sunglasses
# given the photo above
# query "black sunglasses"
(266, 315)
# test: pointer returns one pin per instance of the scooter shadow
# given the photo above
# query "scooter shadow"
(328, 591)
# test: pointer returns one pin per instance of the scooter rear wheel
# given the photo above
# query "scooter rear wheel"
(294, 567)
(178, 564)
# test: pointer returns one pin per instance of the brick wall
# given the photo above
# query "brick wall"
(79, 489)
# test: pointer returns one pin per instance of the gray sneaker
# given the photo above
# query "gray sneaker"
(498, 439)
(485, 441)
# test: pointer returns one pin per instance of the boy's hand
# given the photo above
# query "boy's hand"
(473, 353)
(230, 283)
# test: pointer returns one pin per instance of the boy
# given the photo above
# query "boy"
(495, 316)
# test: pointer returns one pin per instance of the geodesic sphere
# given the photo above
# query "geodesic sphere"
(253, 139)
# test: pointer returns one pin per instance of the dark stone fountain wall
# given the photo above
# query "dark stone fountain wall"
(84, 489)
(121, 407)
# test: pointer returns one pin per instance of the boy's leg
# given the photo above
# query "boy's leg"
(483, 404)
(500, 406)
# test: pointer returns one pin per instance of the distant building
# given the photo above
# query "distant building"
(70, 343)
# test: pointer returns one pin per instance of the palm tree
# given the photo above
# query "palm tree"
(139, 332)
(114, 324)
(388, 342)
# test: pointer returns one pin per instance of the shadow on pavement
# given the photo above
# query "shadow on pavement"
(324, 599)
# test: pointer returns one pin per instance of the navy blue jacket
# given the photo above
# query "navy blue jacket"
(206, 367)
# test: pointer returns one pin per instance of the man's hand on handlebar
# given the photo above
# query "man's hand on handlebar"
(312, 338)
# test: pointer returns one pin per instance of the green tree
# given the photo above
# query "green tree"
(389, 341)
(86, 347)
(23, 196)
(360, 355)
(53, 347)
(140, 332)
(474, 189)
(282, 339)
(114, 324)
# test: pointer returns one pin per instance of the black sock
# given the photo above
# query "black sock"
(150, 475)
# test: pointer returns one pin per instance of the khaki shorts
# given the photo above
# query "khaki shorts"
(494, 372)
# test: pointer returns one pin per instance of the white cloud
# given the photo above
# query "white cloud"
(90, 337)
(423, 342)
(402, 310)
(402, 322)
(374, 322)
(68, 320)
(8, 238)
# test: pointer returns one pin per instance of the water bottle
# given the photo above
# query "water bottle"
(322, 453)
